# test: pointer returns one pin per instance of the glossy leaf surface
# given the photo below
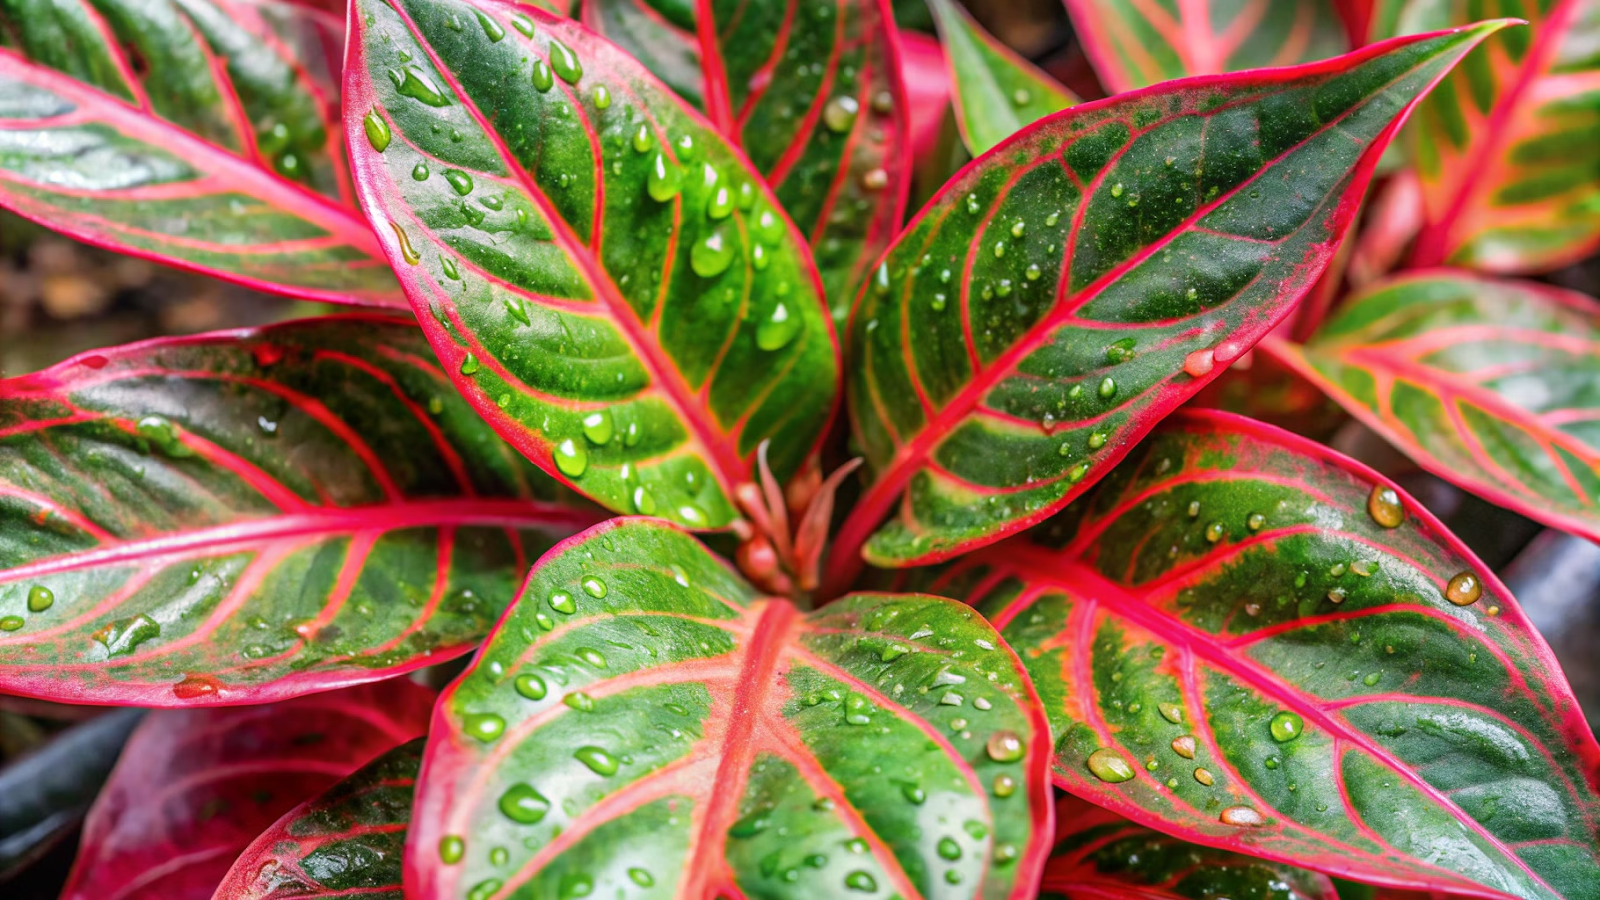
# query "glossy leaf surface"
(1505, 148)
(1101, 856)
(1091, 273)
(1235, 646)
(1489, 384)
(643, 719)
(997, 92)
(1135, 44)
(346, 842)
(199, 133)
(810, 90)
(245, 516)
(602, 275)
(194, 787)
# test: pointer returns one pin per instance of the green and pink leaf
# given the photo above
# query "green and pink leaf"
(1250, 642)
(637, 335)
(202, 134)
(1092, 273)
(1135, 44)
(346, 842)
(193, 788)
(644, 718)
(1488, 384)
(246, 516)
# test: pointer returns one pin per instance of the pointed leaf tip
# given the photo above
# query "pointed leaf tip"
(1043, 311)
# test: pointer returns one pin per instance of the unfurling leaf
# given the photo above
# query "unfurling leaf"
(643, 719)
(1135, 44)
(1099, 854)
(1506, 146)
(199, 133)
(194, 787)
(997, 92)
(346, 842)
(604, 277)
(1248, 641)
(1489, 384)
(246, 516)
(811, 91)
(1086, 277)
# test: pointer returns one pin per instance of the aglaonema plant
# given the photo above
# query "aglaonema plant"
(803, 548)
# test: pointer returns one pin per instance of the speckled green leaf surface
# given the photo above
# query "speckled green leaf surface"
(642, 723)
(244, 516)
(810, 90)
(1136, 43)
(199, 133)
(604, 277)
(1248, 641)
(996, 91)
(1506, 146)
(1489, 384)
(1101, 856)
(346, 842)
(194, 787)
(1091, 273)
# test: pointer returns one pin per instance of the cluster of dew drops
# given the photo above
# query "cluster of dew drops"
(1109, 765)
(709, 257)
(523, 804)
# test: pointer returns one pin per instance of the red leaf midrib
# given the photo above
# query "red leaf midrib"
(1042, 566)
(723, 459)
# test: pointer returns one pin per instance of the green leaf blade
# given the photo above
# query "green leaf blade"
(201, 134)
(1093, 272)
(1483, 382)
(997, 92)
(347, 841)
(642, 708)
(634, 335)
(1279, 672)
(247, 516)
(1100, 854)
(1503, 148)
(812, 92)
(1135, 45)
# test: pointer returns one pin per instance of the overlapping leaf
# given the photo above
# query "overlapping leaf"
(1101, 856)
(604, 277)
(346, 842)
(1134, 44)
(1250, 642)
(251, 515)
(199, 133)
(1489, 384)
(1505, 148)
(643, 722)
(810, 90)
(996, 91)
(1091, 273)
(194, 787)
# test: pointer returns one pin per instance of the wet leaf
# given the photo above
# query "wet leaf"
(1247, 641)
(246, 516)
(1486, 383)
(1087, 276)
(997, 92)
(643, 717)
(194, 787)
(811, 91)
(604, 277)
